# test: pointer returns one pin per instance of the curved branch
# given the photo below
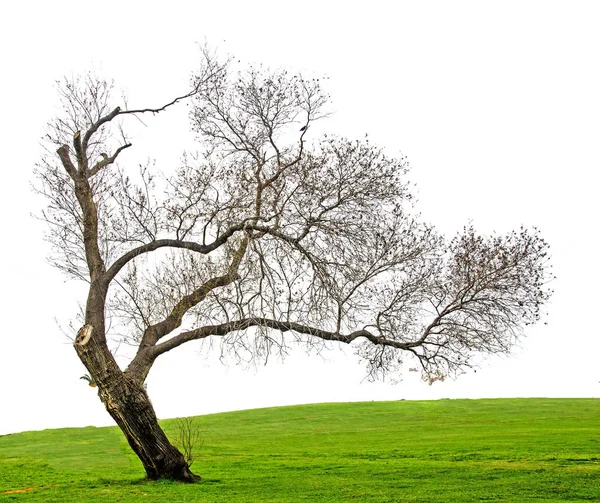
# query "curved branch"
(121, 262)
(171, 322)
(145, 355)
(106, 160)
(103, 120)
(282, 326)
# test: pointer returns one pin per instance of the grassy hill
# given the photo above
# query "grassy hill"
(515, 450)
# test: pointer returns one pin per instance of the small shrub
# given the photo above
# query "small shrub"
(187, 438)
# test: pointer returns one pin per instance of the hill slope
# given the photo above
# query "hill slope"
(427, 451)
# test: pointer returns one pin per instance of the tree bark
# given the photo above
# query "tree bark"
(130, 407)
(128, 404)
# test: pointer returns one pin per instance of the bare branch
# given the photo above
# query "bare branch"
(170, 243)
(63, 153)
(95, 126)
(106, 160)
(159, 109)
(283, 326)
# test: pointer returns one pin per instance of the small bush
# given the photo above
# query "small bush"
(187, 438)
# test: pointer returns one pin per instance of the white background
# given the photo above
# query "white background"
(496, 105)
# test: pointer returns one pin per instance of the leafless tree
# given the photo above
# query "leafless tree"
(262, 239)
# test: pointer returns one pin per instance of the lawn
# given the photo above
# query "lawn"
(515, 450)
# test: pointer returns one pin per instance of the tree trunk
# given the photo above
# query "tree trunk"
(126, 401)
(130, 407)
(123, 395)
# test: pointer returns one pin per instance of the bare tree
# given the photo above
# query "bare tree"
(260, 240)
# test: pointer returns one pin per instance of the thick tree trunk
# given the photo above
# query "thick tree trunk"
(123, 395)
(126, 401)
(128, 404)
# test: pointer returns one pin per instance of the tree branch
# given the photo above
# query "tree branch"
(81, 159)
(106, 160)
(164, 107)
(121, 262)
(282, 326)
(172, 321)
(142, 361)
(103, 120)
(65, 159)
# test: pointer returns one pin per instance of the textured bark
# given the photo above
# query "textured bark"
(123, 394)
(128, 404)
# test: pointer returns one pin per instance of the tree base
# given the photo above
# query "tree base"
(184, 476)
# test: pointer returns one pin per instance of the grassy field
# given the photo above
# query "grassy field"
(515, 450)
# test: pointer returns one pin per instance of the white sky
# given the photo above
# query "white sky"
(496, 105)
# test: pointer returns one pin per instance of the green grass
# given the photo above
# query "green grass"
(515, 450)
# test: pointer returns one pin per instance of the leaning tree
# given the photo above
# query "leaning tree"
(261, 239)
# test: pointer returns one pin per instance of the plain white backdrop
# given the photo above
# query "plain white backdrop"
(496, 105)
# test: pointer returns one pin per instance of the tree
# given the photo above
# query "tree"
(260, 240)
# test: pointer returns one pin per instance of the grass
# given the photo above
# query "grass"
(510, 450)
